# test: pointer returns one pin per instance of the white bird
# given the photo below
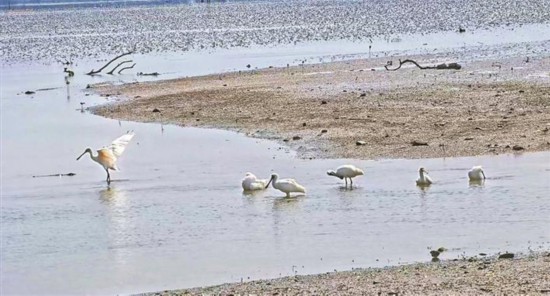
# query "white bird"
(476, 174)
(285, 185)
(346, 172)
(251, 182)
(107, 156)
(423, 179)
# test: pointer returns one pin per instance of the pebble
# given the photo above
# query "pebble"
(419, 143)
(506, 256)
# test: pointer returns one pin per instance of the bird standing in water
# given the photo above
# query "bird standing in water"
(107, 156)
(251, 182)
(346, 172)
(285, 185)
(423, 179)
(476, 174)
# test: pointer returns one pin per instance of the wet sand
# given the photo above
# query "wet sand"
(322, 110)
(528, 275)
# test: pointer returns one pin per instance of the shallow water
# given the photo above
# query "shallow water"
(175, 216)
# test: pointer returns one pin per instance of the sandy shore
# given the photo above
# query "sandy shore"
(527, 275)
(323, 110)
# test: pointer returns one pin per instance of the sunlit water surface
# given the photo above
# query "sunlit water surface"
(175, 216)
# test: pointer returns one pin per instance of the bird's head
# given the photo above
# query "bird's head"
(422, 170)
(333, 173)
(88, 150)
(273, 178)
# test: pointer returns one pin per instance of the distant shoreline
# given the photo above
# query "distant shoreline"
(525, 274)
(357, 109)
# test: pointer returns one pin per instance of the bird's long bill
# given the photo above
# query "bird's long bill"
(81, 155)
(483, 173)
(270, 179)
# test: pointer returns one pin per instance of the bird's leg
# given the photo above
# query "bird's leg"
(346, 179)
(351, 181)
(108, 176)
(288, 194)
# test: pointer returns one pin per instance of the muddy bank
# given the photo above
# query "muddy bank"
(528, 275)
(323, 110)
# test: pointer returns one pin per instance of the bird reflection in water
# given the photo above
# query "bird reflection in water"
(113, 196)
(477, 183)
(424, 189)
(284, 204)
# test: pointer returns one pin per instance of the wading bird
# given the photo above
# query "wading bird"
(476, 174)
(107, 156)
(346, 172)
(423, 179)
(285, 185)
(251, 182)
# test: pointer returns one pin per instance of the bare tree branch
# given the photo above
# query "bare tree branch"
(126, 68)
(119, 64)
(93, 72)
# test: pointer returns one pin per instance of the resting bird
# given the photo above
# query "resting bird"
(423, 179)
(251, 182)
(107, 156)
(346, 172)
(476, 174)
(285, 185)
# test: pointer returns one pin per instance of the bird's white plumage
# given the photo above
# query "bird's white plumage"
(250, 182)
(107, 156)
(345, 172)
(476, 174)
(423, 178)
(286, 185)
(118, 146)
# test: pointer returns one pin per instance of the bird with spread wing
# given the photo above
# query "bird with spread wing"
(107, 156)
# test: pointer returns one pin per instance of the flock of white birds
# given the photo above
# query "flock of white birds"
(251, 183)
(108, 156)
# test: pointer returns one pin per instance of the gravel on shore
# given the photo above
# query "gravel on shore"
(357, 109)
(526, 275)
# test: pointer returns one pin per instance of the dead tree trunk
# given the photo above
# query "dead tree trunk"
(450, 66)
(93, 72)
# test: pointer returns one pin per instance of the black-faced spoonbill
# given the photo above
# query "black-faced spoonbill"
(251, 182)
(476, 174)
(285, 185)
(423, 179)
(346, 172)
(107, 156)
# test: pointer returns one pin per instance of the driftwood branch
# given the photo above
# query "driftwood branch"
(125, 68)
(119, 64)
(450, 66)
(55, 175)
(93, 72)
(148, 74)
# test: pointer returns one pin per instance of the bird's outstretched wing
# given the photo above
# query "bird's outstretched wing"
(119, 144)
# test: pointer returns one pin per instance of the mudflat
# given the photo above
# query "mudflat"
(358, 109)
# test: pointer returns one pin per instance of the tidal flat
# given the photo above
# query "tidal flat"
(301, 83)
